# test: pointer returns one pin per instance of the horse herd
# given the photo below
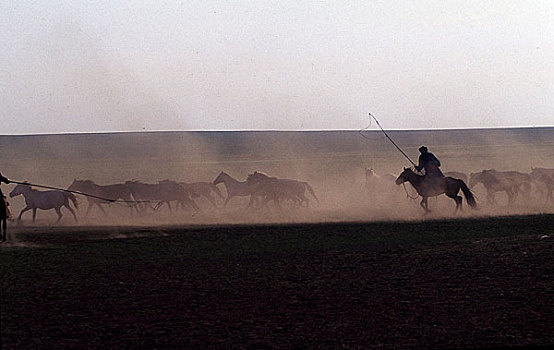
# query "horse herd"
(536, 184)
(263, 189)
(144, 197)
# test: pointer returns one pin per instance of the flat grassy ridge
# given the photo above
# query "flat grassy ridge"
(433, 283)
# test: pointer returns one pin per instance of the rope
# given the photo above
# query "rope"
(407, 194)
(395, 145)
(387, 136)
(111, 200)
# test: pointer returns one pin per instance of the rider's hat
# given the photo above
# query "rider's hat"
(423, 149)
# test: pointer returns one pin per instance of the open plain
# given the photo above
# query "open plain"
(360, 268)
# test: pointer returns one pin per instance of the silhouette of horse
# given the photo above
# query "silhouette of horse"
(545, 176)
(114, 192)
(275, 189)
(204, 189)
(234, 188)
(431, 187)
(501, 181)
(163, 192)
(44, 200)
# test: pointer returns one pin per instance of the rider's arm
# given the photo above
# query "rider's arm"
(4, 179)
(420, 165)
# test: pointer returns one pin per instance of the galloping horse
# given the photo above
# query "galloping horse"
(205, 190)
(235, 188)
(44, 200)
(272, 188)
(114, 192)
(546, 176)
(164, 192)
(436, 186)
(374, 182)
(499, 181)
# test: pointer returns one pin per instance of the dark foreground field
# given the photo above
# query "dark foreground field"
(432, 284)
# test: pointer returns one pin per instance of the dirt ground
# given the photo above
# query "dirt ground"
(463, 283)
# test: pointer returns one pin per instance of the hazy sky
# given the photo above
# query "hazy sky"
(80, 66)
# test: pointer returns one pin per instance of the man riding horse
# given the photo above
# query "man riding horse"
(430, 163)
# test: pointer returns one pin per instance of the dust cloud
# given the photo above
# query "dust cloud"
(332, 162)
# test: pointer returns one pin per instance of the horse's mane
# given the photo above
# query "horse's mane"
(131, 182)
(88, 182)
(259, 173)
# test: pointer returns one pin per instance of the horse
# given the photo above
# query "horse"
(545, 176)
(272, 188)
(44, 200)
(113, 192)
(205, 190)
(432, 187)
(376, 182)
(234, 188)
(500, 181)
(164, 191)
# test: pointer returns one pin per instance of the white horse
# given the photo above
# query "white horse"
(44, 200)
(234, 188)
(378, 183)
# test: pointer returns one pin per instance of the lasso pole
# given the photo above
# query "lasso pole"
(391, 140)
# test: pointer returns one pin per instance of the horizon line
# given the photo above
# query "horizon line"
(275, 130)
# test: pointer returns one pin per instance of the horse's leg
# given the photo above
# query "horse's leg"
(59, 212)
(101, 209)
(211, 200)
(90, 204)
(21, 213)
(490, 197)
(226, 201)
(510, 195)
(424, 204)
(34, 214)
(456, 198)
(72, 211)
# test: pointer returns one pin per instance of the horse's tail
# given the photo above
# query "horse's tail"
(311, 190)
(71, 196)
(470, 198)
(216, 190)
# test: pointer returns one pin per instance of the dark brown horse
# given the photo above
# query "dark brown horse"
(434, 186)
(113, 192)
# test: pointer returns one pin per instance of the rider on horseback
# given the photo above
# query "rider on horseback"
(429, 162)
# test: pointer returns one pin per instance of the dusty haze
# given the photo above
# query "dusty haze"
(333, 162)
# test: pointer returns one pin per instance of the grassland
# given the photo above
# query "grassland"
(437, 283)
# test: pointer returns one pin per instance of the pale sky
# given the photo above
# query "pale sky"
(94, 66)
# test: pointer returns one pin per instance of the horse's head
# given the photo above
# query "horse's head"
(475, 178)
(404, 176)
(20, 189)
(369, 172)
(75, 185)
(220, 178)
